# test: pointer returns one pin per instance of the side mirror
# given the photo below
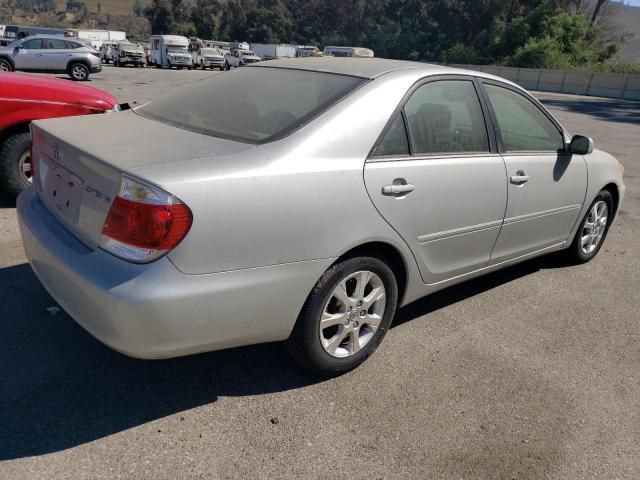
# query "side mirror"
(581, 145)
(19, 47)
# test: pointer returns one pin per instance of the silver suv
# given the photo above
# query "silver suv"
(50, 53)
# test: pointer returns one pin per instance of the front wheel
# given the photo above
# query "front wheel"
(15, 163)
(5, 65)
(593, 229)
(345, 317)
(79, 72)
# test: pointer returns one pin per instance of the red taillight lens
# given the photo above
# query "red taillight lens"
(95, 54)
(144, 222)
(143, 225)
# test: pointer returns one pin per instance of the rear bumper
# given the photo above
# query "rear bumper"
(96, 68)
(153, 310)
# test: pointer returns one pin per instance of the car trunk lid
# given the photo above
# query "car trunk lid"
(79, 162)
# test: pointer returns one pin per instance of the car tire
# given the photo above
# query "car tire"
(592, 231)
(227, 67)
(14, 152)
(333, 336)
(78, 72)
(5, 65)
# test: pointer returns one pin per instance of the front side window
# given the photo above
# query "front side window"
(446, 117)
(522, 125)
(259, 103)
(34, 44)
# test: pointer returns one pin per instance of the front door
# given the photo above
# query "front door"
(546, 186)
(435, 180)
(58, 53)
(30, 56)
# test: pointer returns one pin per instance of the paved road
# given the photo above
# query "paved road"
(533, 372)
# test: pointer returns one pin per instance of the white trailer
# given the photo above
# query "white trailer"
(98, 37)
(170, 51)
(271, 51)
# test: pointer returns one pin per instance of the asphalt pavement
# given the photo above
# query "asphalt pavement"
(532, 372)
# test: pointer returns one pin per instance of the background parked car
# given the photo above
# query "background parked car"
(50, 53)
(126, 53)
(27, 97)
(237, 58)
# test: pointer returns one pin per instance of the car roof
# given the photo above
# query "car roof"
(357, 67)
(54, 37)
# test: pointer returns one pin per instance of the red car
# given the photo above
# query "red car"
(24, 98)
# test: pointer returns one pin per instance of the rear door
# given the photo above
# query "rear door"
(437, 179)
(546, 187)
(58, 54)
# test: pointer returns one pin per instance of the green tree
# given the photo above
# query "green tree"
(206, 18)
(160, 16)
(268, 22)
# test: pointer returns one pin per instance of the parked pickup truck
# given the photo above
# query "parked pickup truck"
(125, 53)
(237, 58)
(26, 98)
(208, 58)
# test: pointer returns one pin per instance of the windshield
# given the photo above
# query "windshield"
(248, 53)
(210, 51)
(176, 49)
(252, 104)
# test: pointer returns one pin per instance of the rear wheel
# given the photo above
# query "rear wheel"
(15, 163)
(593, 229)
(345, 317)
(78, 72)
(5, 65)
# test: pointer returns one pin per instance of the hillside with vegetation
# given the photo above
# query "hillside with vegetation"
(527, 33)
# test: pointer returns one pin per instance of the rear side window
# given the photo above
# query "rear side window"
(522, 125)
(258, 105)
(446, 117)
(395, 141)
(56, 44)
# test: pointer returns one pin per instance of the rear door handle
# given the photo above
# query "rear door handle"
(519, 178)
(398, 189)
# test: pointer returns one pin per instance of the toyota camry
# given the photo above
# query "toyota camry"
(303, 200)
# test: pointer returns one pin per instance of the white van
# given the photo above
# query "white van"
(170, 51)
(348, 52)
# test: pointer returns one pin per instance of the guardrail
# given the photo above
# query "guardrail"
(612, 85)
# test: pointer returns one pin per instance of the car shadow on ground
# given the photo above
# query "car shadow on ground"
(609, 109)
(6, 201)
(61, 388)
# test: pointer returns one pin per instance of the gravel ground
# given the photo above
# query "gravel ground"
(532, 372)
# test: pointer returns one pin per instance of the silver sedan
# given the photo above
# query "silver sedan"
(303, 200)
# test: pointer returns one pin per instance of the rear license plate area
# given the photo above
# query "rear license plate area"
(62, 190)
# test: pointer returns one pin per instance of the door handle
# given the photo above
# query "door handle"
(519, 178)
(398, 190)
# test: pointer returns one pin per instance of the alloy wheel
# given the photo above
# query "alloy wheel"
(594, 227)
(79, 72)
(352, 314)
(24, 167)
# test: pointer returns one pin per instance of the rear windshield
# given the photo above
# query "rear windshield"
(253, 105)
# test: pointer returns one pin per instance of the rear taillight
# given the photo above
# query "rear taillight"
(95, 54)
(144, 222)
